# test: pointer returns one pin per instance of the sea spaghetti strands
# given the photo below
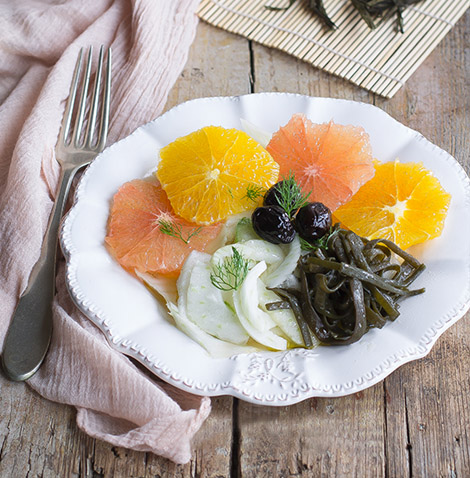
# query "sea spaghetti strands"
(351, 286)
(369, 10)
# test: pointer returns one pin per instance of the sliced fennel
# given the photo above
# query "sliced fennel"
(203, 304)
(207, 306)
(215, 347)
(262, 137)
(228, 233)
(283, 318)
(285, 269)
(255, 250)
(244, 230)
(248, 295)
(223, 322)
(267, 338)
(163, 286)
(281, 269)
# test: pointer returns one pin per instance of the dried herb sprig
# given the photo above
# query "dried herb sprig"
(175, 230)
(314, 5)
(279, 9)
(318, 7)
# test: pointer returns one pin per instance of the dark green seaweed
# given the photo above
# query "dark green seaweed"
(317, 7)
(372, 9)
(350, 286)
(296, 309)
(369, 10)
(282, 304)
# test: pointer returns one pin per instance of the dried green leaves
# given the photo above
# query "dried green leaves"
(371, 11)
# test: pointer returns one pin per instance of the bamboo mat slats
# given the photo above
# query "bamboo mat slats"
(379, 60)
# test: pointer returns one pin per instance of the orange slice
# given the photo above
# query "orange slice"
(330, 160)
(404, 202)
(135, 234)
(206, 173)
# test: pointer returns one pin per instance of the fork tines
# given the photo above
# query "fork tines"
(75, 137)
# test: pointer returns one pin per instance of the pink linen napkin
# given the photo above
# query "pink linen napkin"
(39, 43)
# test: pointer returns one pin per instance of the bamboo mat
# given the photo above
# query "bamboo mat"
(379, 60)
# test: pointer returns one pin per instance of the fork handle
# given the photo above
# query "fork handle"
(30, 331)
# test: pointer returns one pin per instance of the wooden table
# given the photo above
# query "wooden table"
(416, 423)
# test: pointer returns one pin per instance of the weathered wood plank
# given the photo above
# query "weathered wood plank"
(218, 65)
(34, 433)
(318, 437)
(428, 404)
(428, 411)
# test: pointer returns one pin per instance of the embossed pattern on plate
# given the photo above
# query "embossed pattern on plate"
(137, 325)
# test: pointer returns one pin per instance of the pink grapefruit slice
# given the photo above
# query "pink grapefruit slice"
(135, 236)
(331, 161)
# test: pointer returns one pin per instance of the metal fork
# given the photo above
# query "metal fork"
(30, 330)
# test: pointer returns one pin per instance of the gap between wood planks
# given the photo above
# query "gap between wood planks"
(408, 438)
(235, 468)
(252, 66)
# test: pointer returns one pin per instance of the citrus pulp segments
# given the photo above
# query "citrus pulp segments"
(331, 161)
(134, 230)
(206, 173)
(404, 202)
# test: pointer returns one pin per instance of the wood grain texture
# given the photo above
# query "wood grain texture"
(428, 417)
(39, 438)
(416, 423)
(318, 437)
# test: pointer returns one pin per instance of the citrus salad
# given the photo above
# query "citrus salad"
(275, 242)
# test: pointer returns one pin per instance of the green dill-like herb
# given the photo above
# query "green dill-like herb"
(289, 195)
(230, 273)
(253, 192)
(175, 230)
(321, 243)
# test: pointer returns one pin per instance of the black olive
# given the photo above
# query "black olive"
(272, 224)
(313, 221)
(273, 196)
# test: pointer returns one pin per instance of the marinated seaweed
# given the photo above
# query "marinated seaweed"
(349, 286)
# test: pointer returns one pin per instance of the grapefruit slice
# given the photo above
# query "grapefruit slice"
(329, 160)
(139, 212)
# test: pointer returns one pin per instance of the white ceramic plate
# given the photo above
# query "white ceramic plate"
(135, 324)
